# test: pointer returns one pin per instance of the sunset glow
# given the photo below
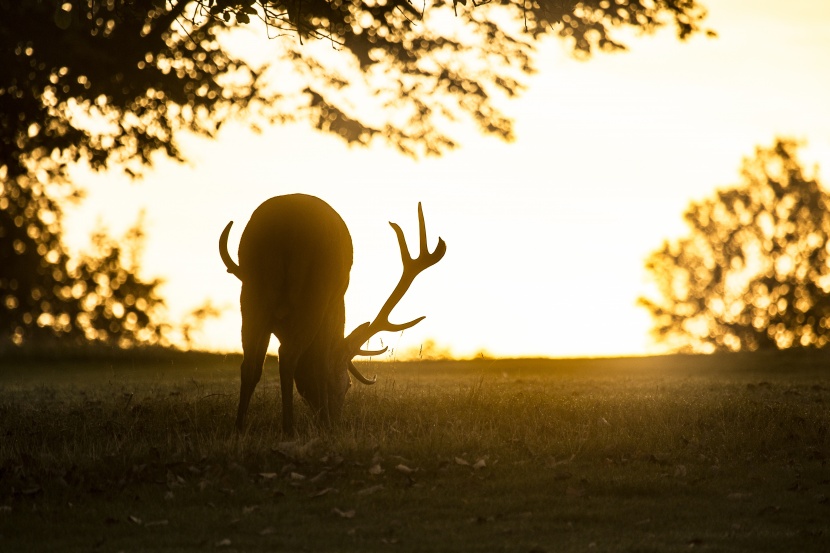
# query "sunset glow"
(546, 236)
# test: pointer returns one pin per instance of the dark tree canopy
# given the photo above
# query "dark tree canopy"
(754, 271)
(47, 298)
(114, 82)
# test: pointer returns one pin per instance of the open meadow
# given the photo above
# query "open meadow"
(137, 452)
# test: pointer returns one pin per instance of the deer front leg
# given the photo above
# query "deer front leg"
(288, 365)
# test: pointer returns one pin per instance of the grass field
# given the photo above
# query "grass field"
(137, 453)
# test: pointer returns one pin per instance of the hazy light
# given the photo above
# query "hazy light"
(546, 236)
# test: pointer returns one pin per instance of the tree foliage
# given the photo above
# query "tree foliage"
(46, 297)
(754, 271)
(114, 82)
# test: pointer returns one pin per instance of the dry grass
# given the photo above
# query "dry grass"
(725, 453)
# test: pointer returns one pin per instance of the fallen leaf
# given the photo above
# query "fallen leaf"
(376, 469)
(344, 514)
(554, 463)
(222, 543)
(249, 510)
(461, 461)
(296, 476)
(322, 492)
(480, 464)
(695, 542)
(370, 490)
(156, 523)
(267, 531)
(135, 519)
(268, 475)
(319, 476)
(403, 469)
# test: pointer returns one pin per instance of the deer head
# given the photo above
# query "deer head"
(295, 256)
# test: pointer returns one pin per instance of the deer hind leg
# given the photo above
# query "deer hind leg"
(255, 337)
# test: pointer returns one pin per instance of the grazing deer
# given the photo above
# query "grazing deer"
(295, 255)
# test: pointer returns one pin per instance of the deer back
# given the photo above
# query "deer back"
(295, 256)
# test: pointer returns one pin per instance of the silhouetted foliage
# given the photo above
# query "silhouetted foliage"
(46, 298)
(117, 307)
(421, 65)
(754, 272)
(112, 82)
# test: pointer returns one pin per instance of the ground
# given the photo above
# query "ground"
(137, 452)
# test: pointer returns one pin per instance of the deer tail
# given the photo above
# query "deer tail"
(232, 267)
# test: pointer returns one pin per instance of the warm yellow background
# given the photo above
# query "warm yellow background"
(546, 236)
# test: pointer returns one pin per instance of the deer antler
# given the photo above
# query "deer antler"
(411, 269)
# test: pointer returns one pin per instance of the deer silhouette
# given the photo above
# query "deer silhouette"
(295, 256)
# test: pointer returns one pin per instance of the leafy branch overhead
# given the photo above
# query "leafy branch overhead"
(113, 81)
(424, 66)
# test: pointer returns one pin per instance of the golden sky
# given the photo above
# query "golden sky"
(547, 235)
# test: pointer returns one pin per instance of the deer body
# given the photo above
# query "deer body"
(295, 256)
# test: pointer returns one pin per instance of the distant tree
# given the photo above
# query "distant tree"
(754, 271)
(115, 306)
(114, 82)
(46, 297)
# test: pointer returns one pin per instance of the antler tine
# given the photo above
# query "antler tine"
(412, 267)
(372, 352)
(422, 232)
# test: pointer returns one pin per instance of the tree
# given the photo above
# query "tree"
(114, 82)
(47, 298)
(754, 271)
